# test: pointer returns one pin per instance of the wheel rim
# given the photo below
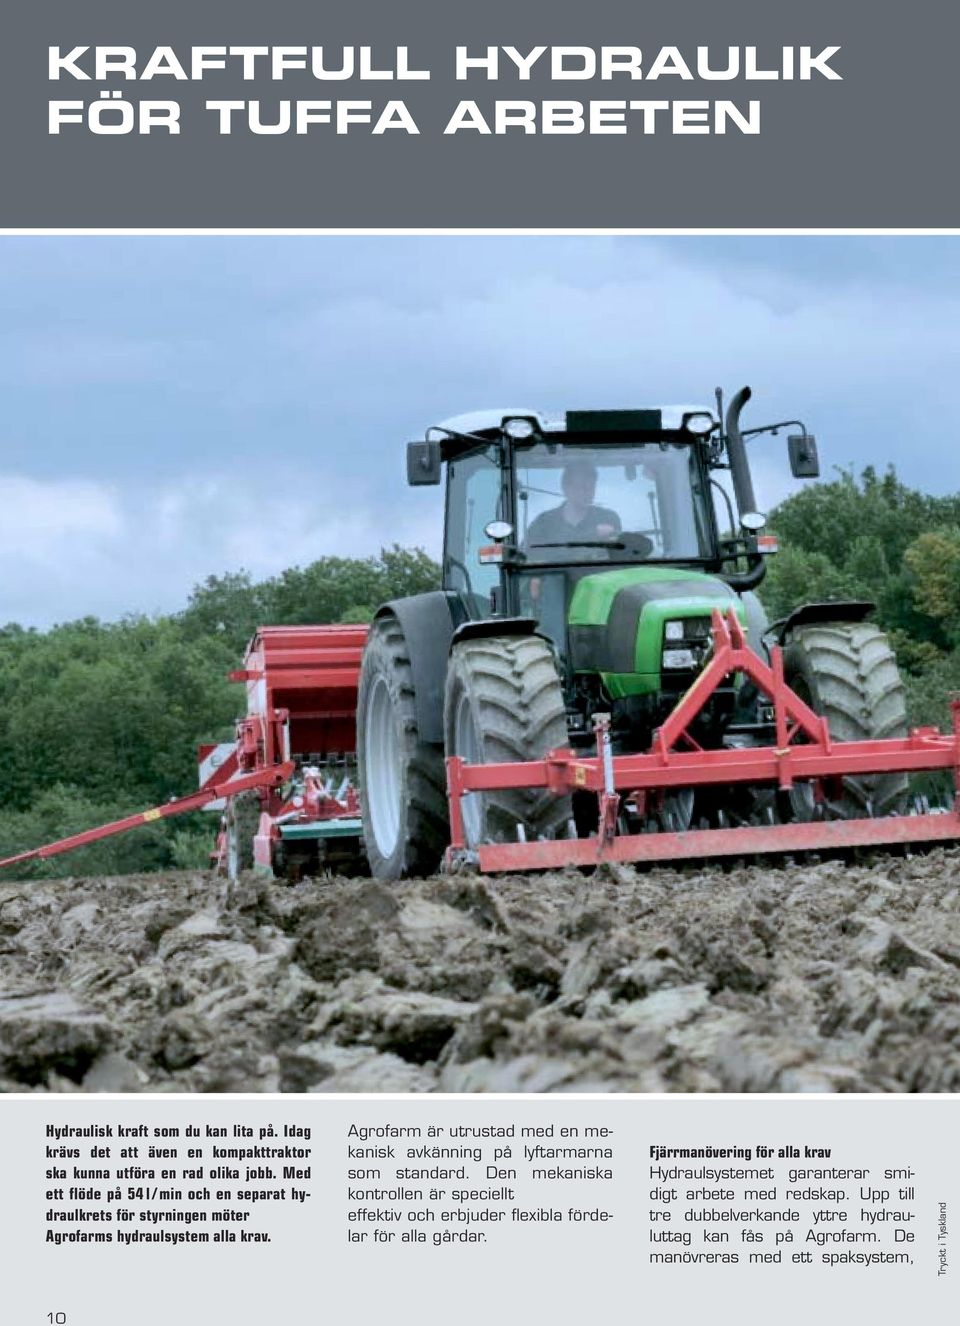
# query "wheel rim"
(467, 745)
(381, 750)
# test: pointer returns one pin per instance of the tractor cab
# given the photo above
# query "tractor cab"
(543, 504)
(527, 492)
(615, 486)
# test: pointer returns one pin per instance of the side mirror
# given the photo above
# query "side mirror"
(423, 462)
(804, 461)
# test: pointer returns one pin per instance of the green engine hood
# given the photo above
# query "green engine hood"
(616, 621)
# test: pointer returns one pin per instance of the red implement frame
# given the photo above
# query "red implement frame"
(267, 778)
(804, 750)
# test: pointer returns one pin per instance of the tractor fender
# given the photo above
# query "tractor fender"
(490, 626)
(853, 610)
(428, 622)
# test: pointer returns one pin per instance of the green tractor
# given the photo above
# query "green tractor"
(583, 560)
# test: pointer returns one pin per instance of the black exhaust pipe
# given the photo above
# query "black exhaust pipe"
(743, 490)
(737, 454)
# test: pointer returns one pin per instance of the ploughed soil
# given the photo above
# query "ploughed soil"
(803, 977)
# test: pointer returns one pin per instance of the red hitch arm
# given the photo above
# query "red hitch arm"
(271, 777)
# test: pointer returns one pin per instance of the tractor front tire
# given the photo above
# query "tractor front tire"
(847, 672)
(504, 702)
(403, 789)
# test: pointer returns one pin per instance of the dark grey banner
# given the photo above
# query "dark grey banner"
(509, 113)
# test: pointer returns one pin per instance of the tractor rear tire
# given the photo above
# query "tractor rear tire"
(847, 673)
(504, 702)
(403, 787)
(242, 822)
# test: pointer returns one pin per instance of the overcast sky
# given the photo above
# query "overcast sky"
(178, 407)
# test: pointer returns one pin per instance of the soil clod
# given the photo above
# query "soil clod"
(804, 977)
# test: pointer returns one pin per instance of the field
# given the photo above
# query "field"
(806, 977)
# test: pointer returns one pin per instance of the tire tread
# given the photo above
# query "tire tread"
(515, 692)
(853, 678)
(424, 828)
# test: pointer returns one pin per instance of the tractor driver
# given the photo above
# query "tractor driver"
(576, 520)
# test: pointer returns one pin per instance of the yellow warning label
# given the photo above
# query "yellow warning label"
(580, 775)
(149, 815)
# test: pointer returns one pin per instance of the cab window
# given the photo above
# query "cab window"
(473, 500)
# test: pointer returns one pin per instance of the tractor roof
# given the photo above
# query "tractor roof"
(489, 421)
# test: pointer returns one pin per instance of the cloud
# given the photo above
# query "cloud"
(56, 541)
(41, 520)
(85, 549)
(230, 402)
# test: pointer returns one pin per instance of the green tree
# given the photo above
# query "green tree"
(933, 560)
(850, 538)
